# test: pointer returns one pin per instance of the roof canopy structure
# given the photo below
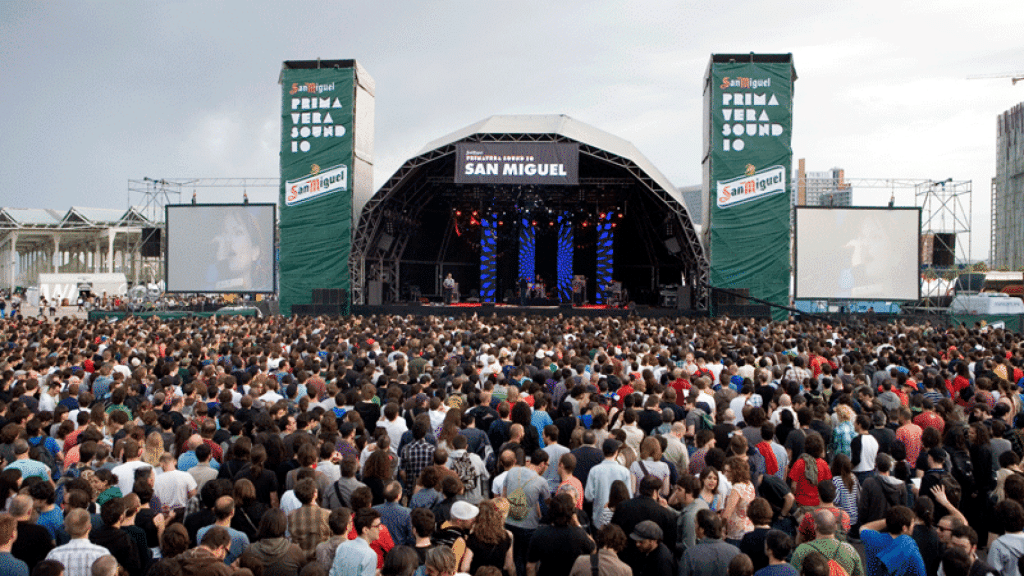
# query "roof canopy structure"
(83, 239)
(408, 234)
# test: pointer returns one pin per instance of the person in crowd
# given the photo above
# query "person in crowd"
(224, 510)
(355, 557)
(273, 550)
(711, 555)
(652, 557)
(611, 540)
(753, 543)
(489, 544)
(826, 544)
(777, 548)
(78, 555)
(893, 551)
(8, 534)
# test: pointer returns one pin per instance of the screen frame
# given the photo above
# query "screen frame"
(796, 256)
(167, 249)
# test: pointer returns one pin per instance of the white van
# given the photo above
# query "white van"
(986, 303)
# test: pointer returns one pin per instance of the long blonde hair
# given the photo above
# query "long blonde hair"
(154, 449)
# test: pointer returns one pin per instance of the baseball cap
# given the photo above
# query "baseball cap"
(646, 530)
(462, 510)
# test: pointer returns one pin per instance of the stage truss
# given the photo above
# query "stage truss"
(151, 196)
(946, 208)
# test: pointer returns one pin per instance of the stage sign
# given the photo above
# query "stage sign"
(517, 163)
(316, 181)
(748, 103)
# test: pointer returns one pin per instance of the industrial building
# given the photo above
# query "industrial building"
(37, 241)
(1007, 247)
(828, 188)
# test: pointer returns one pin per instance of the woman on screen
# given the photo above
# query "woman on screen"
(241, 263)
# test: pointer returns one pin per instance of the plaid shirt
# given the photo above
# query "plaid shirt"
(415, 457)
(77, 556)
(308, 526)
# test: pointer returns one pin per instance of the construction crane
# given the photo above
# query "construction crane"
(1014, 76)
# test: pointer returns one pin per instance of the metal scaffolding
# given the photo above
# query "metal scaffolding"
(150, 197)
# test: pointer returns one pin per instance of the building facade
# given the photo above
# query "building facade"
(828, 188)
(1007, 247)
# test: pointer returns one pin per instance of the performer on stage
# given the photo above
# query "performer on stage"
(579, 289)
(539, 290)
(449, 289)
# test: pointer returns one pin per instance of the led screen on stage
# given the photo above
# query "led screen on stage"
(857, 253)
(220, 248)
(517, 163)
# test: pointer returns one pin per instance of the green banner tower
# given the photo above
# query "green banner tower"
(748, 111)
(326, 174)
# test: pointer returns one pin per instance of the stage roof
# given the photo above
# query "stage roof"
(570, 128)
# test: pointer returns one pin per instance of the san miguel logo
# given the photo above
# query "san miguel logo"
(751, 186)
(319, 183)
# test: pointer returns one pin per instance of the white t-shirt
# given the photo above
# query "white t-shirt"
(126, 475)
(172, 488)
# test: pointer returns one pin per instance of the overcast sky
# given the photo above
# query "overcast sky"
(96, 93)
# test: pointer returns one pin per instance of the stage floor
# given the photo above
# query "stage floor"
(468, 309)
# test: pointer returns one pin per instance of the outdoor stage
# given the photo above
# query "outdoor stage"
(509, 310)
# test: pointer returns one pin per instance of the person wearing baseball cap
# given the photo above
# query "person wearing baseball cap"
(651, 555)
(455, 532)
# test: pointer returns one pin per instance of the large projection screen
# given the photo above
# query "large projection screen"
(221, 247)
(857, 253)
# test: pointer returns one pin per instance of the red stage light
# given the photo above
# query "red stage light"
(534, 222)
(584, 223)
(603, 215)
(501, 222)
(620, 215)
(614, 224)
(458, 212)
(474, 212)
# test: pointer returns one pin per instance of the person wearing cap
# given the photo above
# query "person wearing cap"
(653, 558)
(711, 555)
(455, 531)
(601, 477)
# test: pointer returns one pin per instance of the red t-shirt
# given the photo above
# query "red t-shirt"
(806, 494)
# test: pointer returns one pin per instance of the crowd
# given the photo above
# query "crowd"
(509, 446)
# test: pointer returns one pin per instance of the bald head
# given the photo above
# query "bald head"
(194, 441)
(824, 523)
(785, 401)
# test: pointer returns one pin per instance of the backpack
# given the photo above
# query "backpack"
(705, 422)
(963, 471)
(463, 466)
(519, 504)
